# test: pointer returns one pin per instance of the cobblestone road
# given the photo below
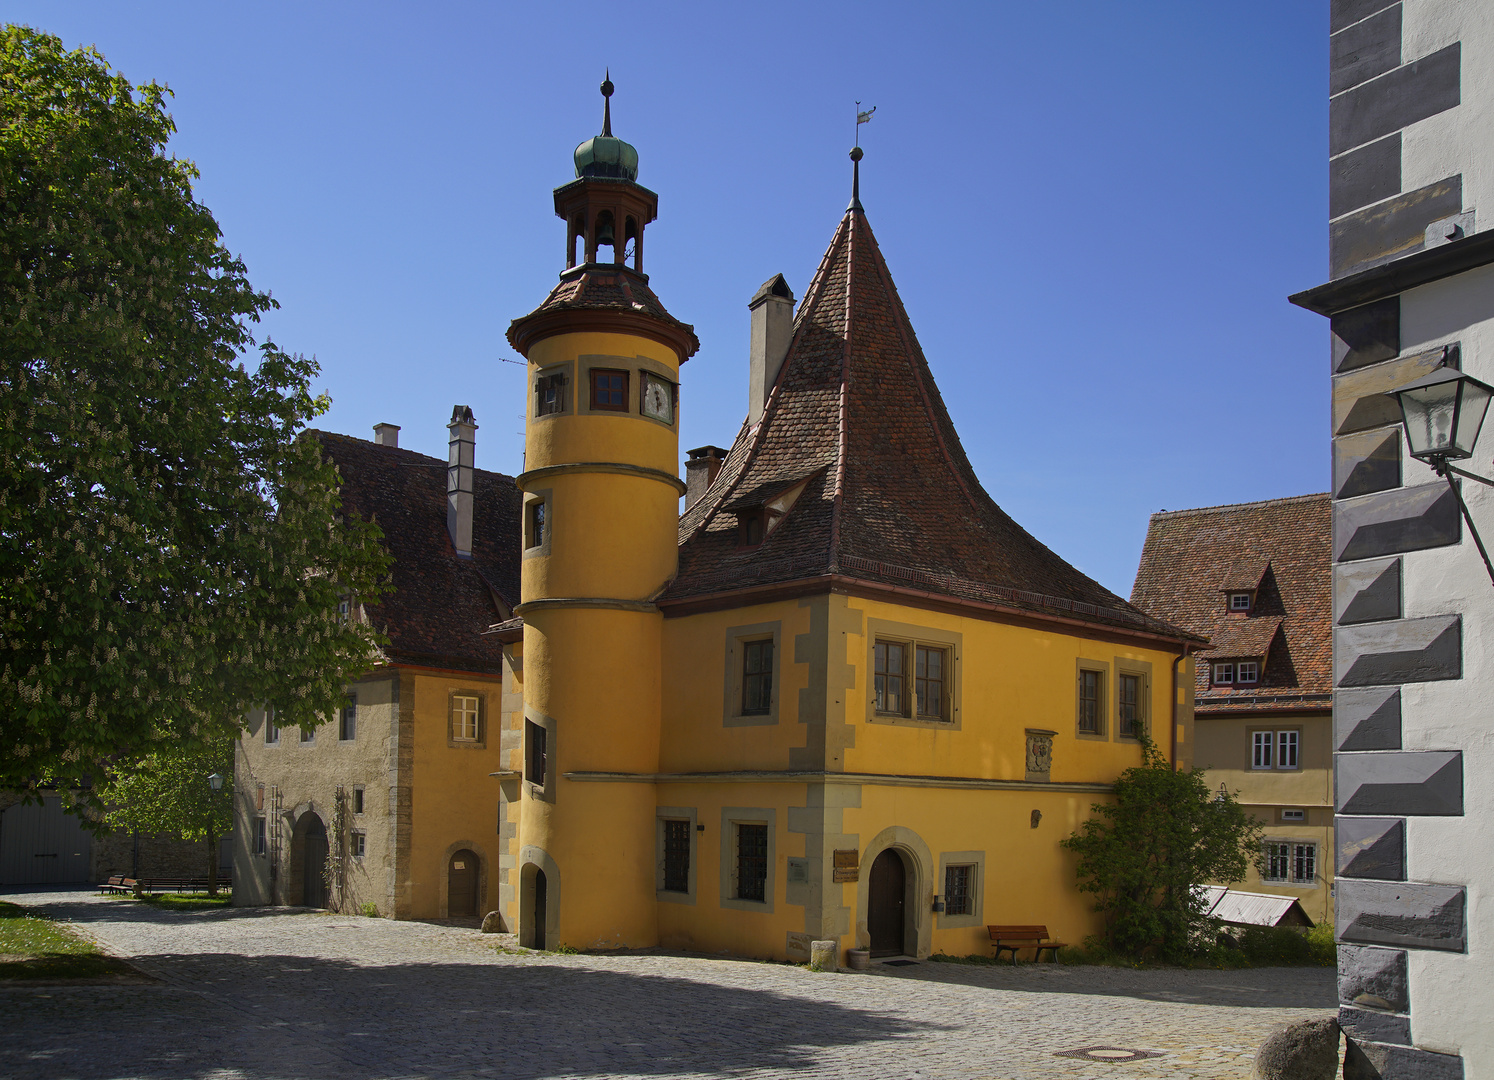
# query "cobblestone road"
(271, 993)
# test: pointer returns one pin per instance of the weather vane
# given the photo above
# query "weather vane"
(862, 118)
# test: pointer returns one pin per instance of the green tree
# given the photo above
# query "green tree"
(170, 792)
(171, 553)
(1144, 854)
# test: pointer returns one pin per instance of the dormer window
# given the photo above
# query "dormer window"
(1239, 601)
(1224, 673)
(761, 511)
(754, 526)
(1247, 671)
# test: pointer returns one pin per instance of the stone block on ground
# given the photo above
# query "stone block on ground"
(492, 923)
(1307, 1050)
(822, 955)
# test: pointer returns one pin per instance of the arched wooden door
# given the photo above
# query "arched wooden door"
(461, 885)
(314, 868)
(886, 895)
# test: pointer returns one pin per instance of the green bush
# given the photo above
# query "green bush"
(1271, 946)
(369, 909)
(1324, 949)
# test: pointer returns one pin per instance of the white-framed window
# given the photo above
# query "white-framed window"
(1261, 744)
(1294, 815)
(358, 844)
(1286, 749)
(1224, 673)
(465, 712)
(1304, 863)
(1239, 601)
(1247, 671)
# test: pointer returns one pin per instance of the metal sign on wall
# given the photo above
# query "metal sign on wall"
(847, 865)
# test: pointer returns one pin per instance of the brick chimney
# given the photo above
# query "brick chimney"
(460, 465)
(386, 434)
(772, 309)
(701, 468)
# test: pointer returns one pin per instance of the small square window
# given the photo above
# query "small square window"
(359, 844)
(757, 677)
(549, 394)
(1247, 671)
(357, 800)
(959, 890)
(466, 712)
(347, 728)
(1239, 601)
(891, 664)
(752, 862)
(1224, 674)
(609, 390)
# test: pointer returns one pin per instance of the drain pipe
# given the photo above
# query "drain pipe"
(1174, 702)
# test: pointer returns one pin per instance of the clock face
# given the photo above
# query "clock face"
(658, 398)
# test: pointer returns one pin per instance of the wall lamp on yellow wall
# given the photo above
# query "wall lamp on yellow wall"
(1442, 413)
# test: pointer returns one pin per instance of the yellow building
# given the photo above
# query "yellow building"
(1255, 579)
(843, 696)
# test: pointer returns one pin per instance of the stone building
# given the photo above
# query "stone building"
(1254, 578)
(391, 804)
(1411, 286)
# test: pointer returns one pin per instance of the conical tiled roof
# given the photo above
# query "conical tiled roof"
(891, 497)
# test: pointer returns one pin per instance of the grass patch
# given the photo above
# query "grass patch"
(1255, 946)
(187, 901)
(36, 947)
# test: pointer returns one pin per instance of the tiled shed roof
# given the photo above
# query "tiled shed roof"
(1189, 554)
(891, 497)
(441, 605)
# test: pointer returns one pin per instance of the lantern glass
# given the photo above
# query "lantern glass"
(1443, 413)
(1471, 408)
(215, 781)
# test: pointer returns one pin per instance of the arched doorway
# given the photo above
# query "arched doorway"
(461, 884)
(539, 910)
(314, 864)
(887, 901)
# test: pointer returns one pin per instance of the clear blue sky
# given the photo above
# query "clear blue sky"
(1093, 211)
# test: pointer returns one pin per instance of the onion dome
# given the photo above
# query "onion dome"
(605, 155)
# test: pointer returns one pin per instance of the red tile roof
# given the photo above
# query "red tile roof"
(617, 294)
(892, 497)
(441, 606)
(1191, 556)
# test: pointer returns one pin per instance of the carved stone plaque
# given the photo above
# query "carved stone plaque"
(1039, 753)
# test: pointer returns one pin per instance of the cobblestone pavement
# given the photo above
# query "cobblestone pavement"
(275, 992)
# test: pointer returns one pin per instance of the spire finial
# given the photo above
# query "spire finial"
(607, 102)
(856, 155)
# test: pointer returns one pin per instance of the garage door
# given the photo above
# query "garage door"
(40, 844)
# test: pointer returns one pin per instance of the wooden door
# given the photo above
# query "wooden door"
(461, 885)
(314, 867)
(41, 843)
(886, 900)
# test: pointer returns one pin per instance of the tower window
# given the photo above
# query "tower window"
(549, 394)
(535, 756)
(534, 524)
(609, 390)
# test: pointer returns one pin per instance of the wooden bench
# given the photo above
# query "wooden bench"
(1034, 937)
(180, 884)
(118, 883)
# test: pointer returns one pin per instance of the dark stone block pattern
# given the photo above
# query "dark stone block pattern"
(1342, 13)
(1378, 1061)
(1387, 230)
(1367, 719)
(1410, 93)
(1371, 848)
(1367, 591)
(1381, 1027)
(1368, 48)
(1367, 334)
(1400, 651)
(1364, 176)
(1404, 914)
(1392, 522)
(1373, 978)
(1366, 463)
(1359, 397)
(1425, 783)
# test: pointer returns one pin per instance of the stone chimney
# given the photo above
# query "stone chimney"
(386, 434)
(772, 310)
(701, 468)
(460, 465)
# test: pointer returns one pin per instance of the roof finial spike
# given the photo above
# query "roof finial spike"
(607, 102)
(856, 156)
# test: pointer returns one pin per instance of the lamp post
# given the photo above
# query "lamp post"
(1442, 413)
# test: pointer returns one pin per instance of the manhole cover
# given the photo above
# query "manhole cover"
(1107, 1053)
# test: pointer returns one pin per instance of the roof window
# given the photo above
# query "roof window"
(1239, 601)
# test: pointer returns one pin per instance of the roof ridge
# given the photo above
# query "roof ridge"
(322, 433)
(1281, 500)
